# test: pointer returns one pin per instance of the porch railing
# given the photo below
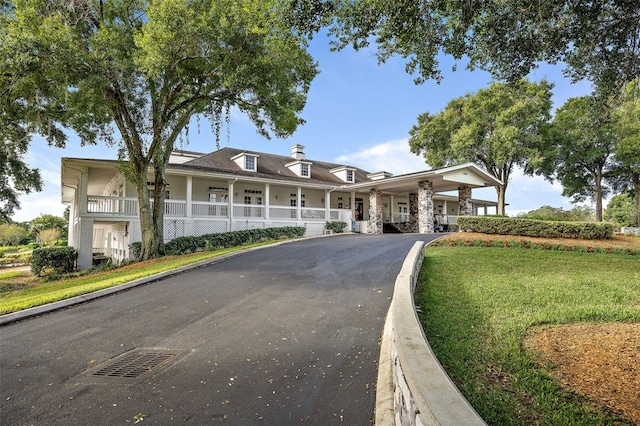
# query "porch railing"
(128, 206)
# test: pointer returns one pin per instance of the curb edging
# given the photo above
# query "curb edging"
(413, 388)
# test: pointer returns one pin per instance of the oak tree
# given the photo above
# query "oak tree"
(134, 73)
(497, 128)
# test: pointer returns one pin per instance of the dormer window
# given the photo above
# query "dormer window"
(248, 162)
(345, 174)
(300, 168)
(350, 176)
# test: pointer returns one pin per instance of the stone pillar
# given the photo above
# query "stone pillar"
(375, 211)
(425, 207)
(413, 212)
(465, 208)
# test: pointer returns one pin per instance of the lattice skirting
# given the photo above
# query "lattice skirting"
(202, 227)
(173, 228)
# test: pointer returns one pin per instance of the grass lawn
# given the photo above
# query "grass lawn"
(19, 290)
(478, 304)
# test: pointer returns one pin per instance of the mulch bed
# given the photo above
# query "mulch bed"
(601, 361)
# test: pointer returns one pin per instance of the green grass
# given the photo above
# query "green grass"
(478, 304)
(42, 293)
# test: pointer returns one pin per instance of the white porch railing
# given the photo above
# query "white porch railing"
(128, 206)
(203, 209)
(112, 205)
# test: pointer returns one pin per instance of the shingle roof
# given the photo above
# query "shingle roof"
(270, 166)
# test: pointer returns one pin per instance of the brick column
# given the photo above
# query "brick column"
(375, 211)
(425, 207)
(413, 212)
(464, 201)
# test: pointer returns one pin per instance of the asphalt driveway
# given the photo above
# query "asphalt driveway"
(283, 335)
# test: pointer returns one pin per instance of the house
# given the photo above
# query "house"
(233, 189)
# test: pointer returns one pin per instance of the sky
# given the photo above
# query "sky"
(358, 113)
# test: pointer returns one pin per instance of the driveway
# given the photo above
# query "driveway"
(283, 335)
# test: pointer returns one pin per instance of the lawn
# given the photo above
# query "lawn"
(19, 290)
(479, 303)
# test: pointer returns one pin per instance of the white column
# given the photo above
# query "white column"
(352, 204)
(188, 222)
(82, 192)
(267, 203)
(327, 204)
(230, 213)
(391, 206)
(189, 195)
(299, 203)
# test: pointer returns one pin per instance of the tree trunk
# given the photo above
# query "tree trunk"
(598, 179)
(152, 238)
(501, 190)
(636, 191)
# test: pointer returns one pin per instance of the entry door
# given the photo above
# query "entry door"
(359, 208)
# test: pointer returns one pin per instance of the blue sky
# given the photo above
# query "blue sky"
(357, 113)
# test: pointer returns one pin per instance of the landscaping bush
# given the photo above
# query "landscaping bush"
(192, 244)
(62, 260)
(536, 228)
(337, 227)
(14, 259)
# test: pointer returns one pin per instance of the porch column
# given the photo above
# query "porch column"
(352, 205)
(267, 203)
(413, 212)
(465, 207)
(327, 205)
(391, 209)
(82, 193)
(85, 243)
(188, 223)
(230, 207)
(299, 204)
(375, 211)
(425, 207)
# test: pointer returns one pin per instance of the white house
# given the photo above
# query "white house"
(233, 189)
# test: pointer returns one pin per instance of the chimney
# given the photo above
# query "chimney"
(297, 153)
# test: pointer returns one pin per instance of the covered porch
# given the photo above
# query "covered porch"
(422, 202)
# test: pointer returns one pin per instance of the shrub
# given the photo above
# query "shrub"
(536, 228)
(337, 227)
(62, 260)
(15, 259)
(192, 244)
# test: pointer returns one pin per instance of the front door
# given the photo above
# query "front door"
(359, 208)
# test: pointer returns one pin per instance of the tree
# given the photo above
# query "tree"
(11, 234)
(626, 118)
(584, 141)
(622, 210)
(576, 214)
(598, 40)
(133, 74)
(28, 105)
(48, 221)
(49, 236)
(497, 128)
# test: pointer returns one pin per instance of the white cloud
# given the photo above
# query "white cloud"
(35, 204)
(393, 156)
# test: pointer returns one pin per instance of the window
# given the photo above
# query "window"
(304, 169)
(249, 162)
(350, 177)
(293, 203)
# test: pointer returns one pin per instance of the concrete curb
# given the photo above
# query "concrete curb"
(62, 304)
(413, 388)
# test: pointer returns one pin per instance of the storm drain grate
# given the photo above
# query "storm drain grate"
(134, 364)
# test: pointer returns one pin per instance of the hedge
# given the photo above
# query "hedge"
(192, 244)
(337, 227)
(536, 228)
(61, 259)
(14, 259)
